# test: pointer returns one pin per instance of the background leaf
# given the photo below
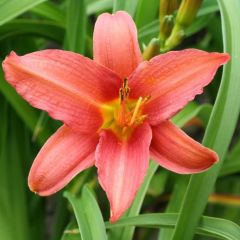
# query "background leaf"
(208, 226)
(13, 8)
(88, 215)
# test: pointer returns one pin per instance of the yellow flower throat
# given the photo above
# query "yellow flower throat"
(122, 115)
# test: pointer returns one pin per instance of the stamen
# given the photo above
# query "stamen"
(139, 103)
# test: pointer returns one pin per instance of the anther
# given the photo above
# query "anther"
(125, 83)
(124, 90)
(121, 95)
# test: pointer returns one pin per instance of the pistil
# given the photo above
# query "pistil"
(124, 114)
(123, 95)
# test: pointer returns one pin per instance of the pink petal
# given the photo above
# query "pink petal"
(122, 166)
(68, 86)
(173, 79)
(115, 43)
(176, 151)
(64, 155)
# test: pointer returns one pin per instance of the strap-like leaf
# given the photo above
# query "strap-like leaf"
(208, 226)
(13, 8)
(88, 215)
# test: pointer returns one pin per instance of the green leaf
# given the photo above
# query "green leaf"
(231, 164)
(148, 31)
(208, 7)
(76, 26)
(71, 232)
(5, 206)
(158, 183)
(99, 6)
(128, 6)
(174, 203)
(88, 215)
(46, 29)
(118, 5)
(13, 8)
(191, 111)
(131, 7)
(198, 24)
(50, 11)
(147, 11)
(208, 226)
(220, 128)
(13, 153)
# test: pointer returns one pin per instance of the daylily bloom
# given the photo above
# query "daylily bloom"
(115, 109)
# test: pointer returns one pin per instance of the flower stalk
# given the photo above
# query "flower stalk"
(185, 16)
(166, 17)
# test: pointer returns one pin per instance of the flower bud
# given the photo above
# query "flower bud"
(185, 16)
(187, 12)
(152, 49)
(167, 9)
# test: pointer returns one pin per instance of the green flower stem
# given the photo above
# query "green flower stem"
(167, 8)
(185, 16)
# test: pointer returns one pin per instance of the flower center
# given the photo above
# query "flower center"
(122, 115)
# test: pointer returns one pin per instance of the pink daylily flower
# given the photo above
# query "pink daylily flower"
(115, 109)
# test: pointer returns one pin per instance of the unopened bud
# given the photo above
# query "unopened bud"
(166, 17)
(187, 12)
(152, 49)
(166, 28)
(167, 7)
(185, 16)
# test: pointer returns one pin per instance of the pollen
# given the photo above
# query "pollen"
(122, 115)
